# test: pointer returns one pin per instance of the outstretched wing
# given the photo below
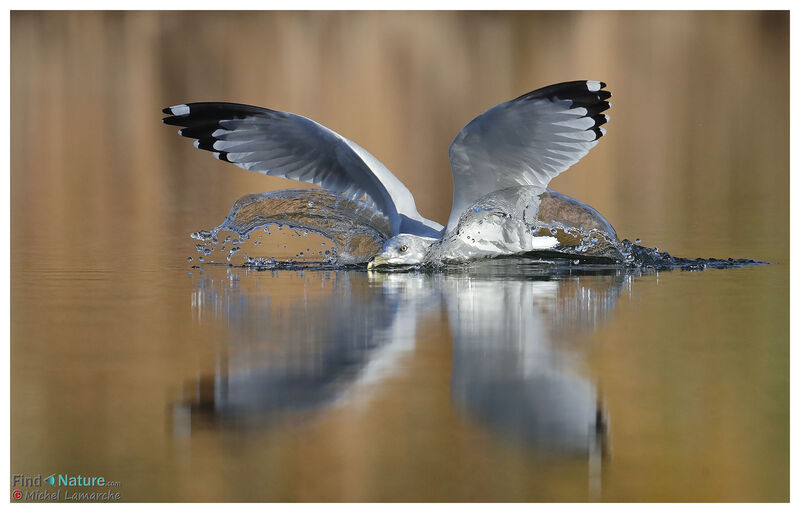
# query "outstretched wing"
(526, 141)
(290, 146)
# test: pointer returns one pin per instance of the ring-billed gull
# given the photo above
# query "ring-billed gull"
(522, 143)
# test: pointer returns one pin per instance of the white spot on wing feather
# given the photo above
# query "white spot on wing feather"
(179, 110)
(593, 85)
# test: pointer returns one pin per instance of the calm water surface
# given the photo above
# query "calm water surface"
(499, 383)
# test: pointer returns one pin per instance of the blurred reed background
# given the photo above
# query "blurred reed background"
(695, 160)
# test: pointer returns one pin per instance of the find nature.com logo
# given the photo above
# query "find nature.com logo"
(62, 480)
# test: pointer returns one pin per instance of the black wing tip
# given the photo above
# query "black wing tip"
(598, 132)
(599, 119)
(209, 113)
(592, 106)
(177, 115)
(570, 91)
(587, 94)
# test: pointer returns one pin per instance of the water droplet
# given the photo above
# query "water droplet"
(576, 262)
(638, 241)
(189, 259)
(233, 251)
(201, 235)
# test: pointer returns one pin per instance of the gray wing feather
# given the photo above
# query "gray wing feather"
(527, 141)
(286, 145)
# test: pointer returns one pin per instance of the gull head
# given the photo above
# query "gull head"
(402, 250)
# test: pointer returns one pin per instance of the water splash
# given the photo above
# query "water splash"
(525, 221)
(312, 228)
(342, 231)
(641, 257)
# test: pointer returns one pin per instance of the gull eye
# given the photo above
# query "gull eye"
(403, 248)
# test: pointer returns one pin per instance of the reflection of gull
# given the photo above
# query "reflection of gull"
(512, 371)
(523, 142)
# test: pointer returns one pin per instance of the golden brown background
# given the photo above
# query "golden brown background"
(103, 196)
(695, 160)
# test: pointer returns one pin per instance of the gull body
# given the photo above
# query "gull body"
(524, 142)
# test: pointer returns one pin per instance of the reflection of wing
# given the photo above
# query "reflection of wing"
(290, 146)
(508, 370)
(278, 362)
(526, 141)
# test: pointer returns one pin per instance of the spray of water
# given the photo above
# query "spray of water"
(302, 228)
